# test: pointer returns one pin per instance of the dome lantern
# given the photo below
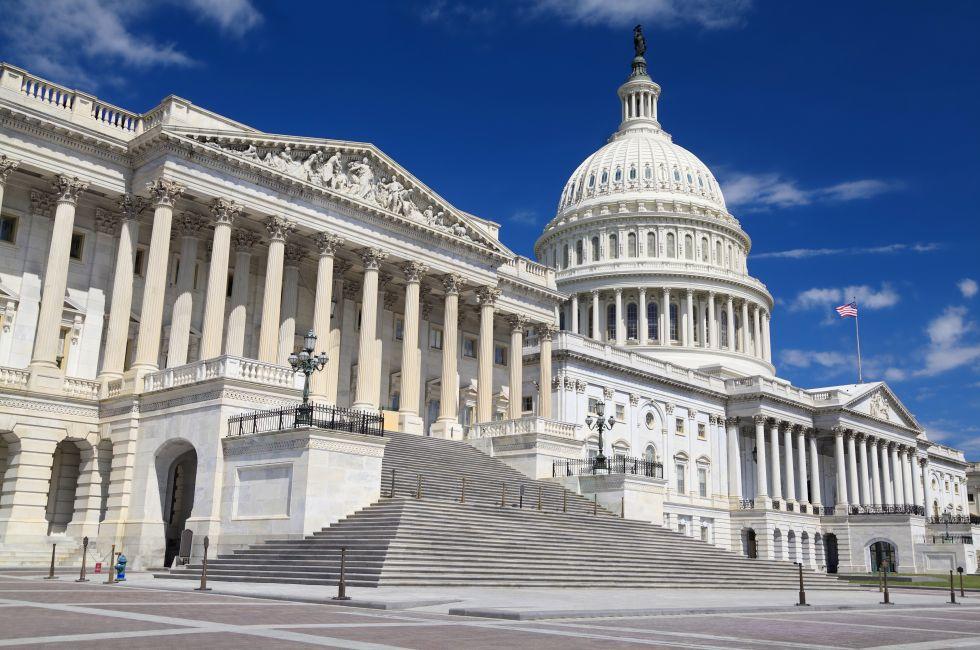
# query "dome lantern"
(640, 93)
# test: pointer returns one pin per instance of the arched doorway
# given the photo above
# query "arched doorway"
(176, 474)
(883, 553)
(750, 545)
(65, 466)
(104, 454)
(777, 544)
(791, 546)
(805, 553)
(830, 548)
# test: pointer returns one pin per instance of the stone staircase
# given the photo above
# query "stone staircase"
(438, 541)
(67, 554)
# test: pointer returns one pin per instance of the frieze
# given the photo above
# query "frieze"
(250, 445)
(50, 406)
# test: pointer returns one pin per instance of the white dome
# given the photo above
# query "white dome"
(641, 164)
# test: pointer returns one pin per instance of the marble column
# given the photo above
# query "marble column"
(854, 496)
(689, 320)
(188, 227)
(574, 314)
(887, 494)
(815, 488)
(665, 319)
(620, 337)
(917, 482)
(596, 323)
(117, 332)
(279, 228)
(409, 419)
(712, 340)
(906, 458)
(896, 469)
(730, 308)
(801, 460)
(776, 470)
(44, 360)
(484, 382)
(841, 505)
(788, 461)
(734, 459)
(293, 256)
(224, 213)
(546, 333)
(757, 332)
(641, 309)
(368, 393)
(875, 472)
(866, 496)
(6, 166)
(164, 194)
(245, 241)
(327, 245)
(761, 480)
(516, 363)
(766, 338)
(345, 290)
(927, 487)
(744, 329)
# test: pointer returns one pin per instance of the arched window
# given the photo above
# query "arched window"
(705, 249)
(724, 328)
(564, 257)
(591, 324)
(647, 172)
(650, 453)
(671, 245)
(595, 249)
(707, 328)
(605, 177)
(632, 173)
(696, 326)
(651, 244)
(731, 259)
(677, 176)
(689, 247)
(619, 175)
(718, 259)
(631, 244)
(620, 449)
(673, 321)
(592, 180)
(561, 320)
(613, 247)
(611, 322)
(631, 321)
(579, 257)
(653, 325)
(738, 327)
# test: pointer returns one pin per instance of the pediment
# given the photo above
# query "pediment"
(356, 171)
(882, 404)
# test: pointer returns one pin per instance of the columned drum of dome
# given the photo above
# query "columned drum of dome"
(642, 229)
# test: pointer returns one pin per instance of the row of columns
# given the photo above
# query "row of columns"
(889, 474)
(690, 315)
(799, 463)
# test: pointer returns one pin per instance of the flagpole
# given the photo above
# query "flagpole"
(857, 336)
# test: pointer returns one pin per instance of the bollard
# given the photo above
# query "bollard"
(51, 575)
(462, 490)
(418, 488)
(204, 568)
(884, 578)
(392, 496)
(879, 581)
(342, 581)
(503, 494)
(112, 567)
(622, 507)
(564, 500)
(802, 602)
(959, 570)
(82, 578)
(520, 498)
(595, 504)
(952, 590)
(539, 497)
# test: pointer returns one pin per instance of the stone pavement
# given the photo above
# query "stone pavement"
(92, 615)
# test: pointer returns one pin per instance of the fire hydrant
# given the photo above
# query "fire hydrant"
(121, 568)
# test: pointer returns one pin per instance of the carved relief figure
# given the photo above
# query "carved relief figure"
(363, 178)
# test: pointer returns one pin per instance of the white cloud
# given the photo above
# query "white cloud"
(524, 217)
(946, 350)
(710, 14)
(895, 374)
(761, 192)
(803, 253)
(80, 42)
(867, 297)
(808, 358)
(968, 287)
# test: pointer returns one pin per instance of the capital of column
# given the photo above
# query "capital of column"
(106, 222)
(188, 224)
(730, 301)
(413, 271)
(327, 243)
(293, 254)
(517, 322)
(41, 203)
(547, 331)
(798, 428)
(244, 240)
(279, 228)
(452, 283)
(595, 293)
(838, 431)
(385, 278)
(618, 291)
(487, 295)
(859, 436)
(164, 191)
(732, 421)
(689, 293)
(131, 206)
(225, 211)
(6, 166)
(372, 258)
(810, 432)
(759, 419)
(67, 189)
(783, 425)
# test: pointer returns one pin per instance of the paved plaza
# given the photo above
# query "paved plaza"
(167, 613)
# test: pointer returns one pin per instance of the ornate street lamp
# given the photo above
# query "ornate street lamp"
(307, 362)
(598, 424)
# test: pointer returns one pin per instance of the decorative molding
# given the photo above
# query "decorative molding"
(225, 211)
(67, 189)
(294, 254)
(42, 203)
(188, 224)
(6, 166)
(164, 192)
(452, 283)
(131, 206)
(414, 271)
(371, 258)
(518, 322)
(327, 243)
(279, 228)
(107, 222)
(245, 240)
(608, 393)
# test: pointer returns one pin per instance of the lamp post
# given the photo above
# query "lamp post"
(307, 362)
(598, 424)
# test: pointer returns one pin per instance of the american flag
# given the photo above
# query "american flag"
(850, 310)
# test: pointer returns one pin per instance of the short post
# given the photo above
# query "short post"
(539, 497)
(595, 504)
(959, 570)
(520, 498)
(342, 582)
(564, 500)
(112, 566)
(884, 577)
(82, 578)
(880, 574)
(418, 487)
(802, 602)
(204, 567)
(392, 483)
(51, 575)
(952, 590)
(622, 507)
(503, 494)
(462, 490)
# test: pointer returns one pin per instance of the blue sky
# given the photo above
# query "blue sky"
(845, 134)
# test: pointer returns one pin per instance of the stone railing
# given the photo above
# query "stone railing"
(87, 388)
(769, 386)
(530, 271)
(14, 377)
(225, 367)
(528, 424)
(659, 264)
(114, 388)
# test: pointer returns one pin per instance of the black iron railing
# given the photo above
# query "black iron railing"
(746, 504)
(614, 465)
(903, 509)
(317, 416)
(946, 539)
(953, 519)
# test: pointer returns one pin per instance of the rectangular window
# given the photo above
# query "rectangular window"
(702, 482)
(704, 534)
(681, 484)
(8, 229)
(435, 337)
(139, 262)
(469, 347)
(399, 328)
(77, 246)
(593, 405)
(620, 413)
(527, 404)
(679, 426)
(229, 284)
(500, 355)
(702, 431)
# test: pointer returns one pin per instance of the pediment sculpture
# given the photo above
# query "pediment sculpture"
(878, 407)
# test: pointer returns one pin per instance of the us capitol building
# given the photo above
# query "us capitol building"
(159, 268)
